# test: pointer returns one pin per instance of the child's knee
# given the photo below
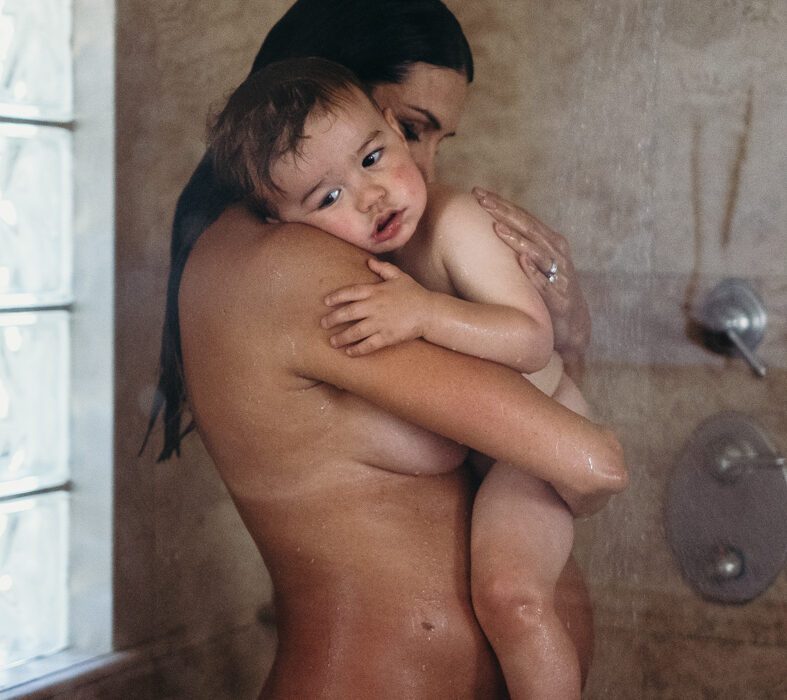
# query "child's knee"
(503, 601)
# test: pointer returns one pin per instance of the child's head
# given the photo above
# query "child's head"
(302, 141)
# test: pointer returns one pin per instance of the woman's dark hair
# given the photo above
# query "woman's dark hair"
(378, 40)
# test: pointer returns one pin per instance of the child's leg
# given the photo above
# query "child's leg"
(522, 534)
(568, 394)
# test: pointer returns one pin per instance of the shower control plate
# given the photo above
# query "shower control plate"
(729, 535)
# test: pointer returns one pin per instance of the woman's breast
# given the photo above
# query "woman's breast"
(380, 439)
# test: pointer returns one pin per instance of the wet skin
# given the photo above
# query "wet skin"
(361, 516)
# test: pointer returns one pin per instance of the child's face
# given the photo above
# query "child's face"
(353, 178)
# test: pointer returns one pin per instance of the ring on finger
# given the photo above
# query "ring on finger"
(551, 273)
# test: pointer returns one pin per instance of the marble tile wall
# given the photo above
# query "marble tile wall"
(648, 132)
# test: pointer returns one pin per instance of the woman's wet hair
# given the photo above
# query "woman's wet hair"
(378, 40)
(264, 120)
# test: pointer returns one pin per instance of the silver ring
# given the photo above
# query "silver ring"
(552, 272)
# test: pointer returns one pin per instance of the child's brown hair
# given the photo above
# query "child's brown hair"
(264, 119)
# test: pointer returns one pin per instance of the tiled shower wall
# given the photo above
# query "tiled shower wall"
(651, 134)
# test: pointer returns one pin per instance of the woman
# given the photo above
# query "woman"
(369, 563)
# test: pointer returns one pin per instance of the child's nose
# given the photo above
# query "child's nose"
(371, 194)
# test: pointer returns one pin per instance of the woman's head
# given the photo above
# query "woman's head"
(412, 54)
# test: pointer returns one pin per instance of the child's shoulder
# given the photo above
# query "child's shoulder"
(445, 201)
(451, 213)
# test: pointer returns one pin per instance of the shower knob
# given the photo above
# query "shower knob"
(728, 564)
(734, 318)
(725, 509)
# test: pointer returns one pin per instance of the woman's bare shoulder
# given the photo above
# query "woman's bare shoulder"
(240, 253)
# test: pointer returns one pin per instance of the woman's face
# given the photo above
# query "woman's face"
(427, 104)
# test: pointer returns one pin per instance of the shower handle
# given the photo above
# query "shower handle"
(734, 311)
(731, 468)
(755, 362)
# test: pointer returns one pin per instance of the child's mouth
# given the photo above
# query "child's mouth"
(388, 227)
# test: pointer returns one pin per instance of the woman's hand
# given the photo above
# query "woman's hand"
(544, 255)
(386, 313)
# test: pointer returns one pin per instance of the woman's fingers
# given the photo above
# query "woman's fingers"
(541, 257)
(544, 254)
(550, 291)
(520, 222)
(548, 263)
(514, 241)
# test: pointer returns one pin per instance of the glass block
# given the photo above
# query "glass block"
(35, 215)
(35, 59)
(34, 401)
(33, 577)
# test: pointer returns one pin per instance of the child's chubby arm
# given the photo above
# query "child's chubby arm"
(393, 310)
(499, 315)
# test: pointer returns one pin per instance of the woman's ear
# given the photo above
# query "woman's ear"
(393, 122)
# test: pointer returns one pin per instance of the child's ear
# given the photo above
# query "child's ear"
(393, 122)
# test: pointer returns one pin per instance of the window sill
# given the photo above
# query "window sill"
(48, 676)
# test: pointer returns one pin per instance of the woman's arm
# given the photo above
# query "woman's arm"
(474, 402)
(538, 247)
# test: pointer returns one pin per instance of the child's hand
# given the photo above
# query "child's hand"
(384, 313)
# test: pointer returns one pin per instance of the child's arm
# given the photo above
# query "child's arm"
(499, 317)
(398, 309)
(498, 314)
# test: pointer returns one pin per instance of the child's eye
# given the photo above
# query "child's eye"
(408, 129)
(329, 199)
(372, 158)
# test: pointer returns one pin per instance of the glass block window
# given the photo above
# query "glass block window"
(35, 59)
(34, 392)
(35, 325)
(33, 571)
(35, 240)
